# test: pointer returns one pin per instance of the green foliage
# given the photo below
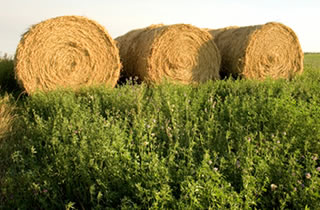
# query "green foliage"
(233, 144)
(7, 81)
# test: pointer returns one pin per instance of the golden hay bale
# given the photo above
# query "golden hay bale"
(67, 51)
(260, 51)
(6, 117)
(179, 53)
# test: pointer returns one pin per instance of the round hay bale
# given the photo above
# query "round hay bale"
(67, 51)
(178, 53)
(260, 51)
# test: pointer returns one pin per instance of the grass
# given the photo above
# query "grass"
(233, 144)
(6, 116)
(312, 60)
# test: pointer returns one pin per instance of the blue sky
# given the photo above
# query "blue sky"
(120, 16)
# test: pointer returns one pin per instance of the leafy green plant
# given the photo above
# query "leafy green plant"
(232, 144)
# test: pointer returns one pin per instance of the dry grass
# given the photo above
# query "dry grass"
(6, 117)
(67, 51)
(178, 53)
(260, 51)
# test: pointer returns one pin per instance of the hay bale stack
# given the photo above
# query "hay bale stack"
(67, 51)
(178, 53)
(260, 51)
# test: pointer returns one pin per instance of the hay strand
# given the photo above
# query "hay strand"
(6, 117)
(260, 51)
(178, 53)
(67, 51)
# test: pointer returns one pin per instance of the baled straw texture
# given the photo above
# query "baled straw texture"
(256, 52)
(178, 53)
(67, 51)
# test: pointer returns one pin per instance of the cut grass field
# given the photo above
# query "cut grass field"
(232, 144)
(312, 60)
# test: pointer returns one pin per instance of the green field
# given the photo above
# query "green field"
(231, 144)
(312, 60)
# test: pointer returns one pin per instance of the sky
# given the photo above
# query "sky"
(121, 16)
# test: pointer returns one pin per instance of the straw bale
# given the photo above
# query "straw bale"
(257, 52)
(66, 51)
(178, 53)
